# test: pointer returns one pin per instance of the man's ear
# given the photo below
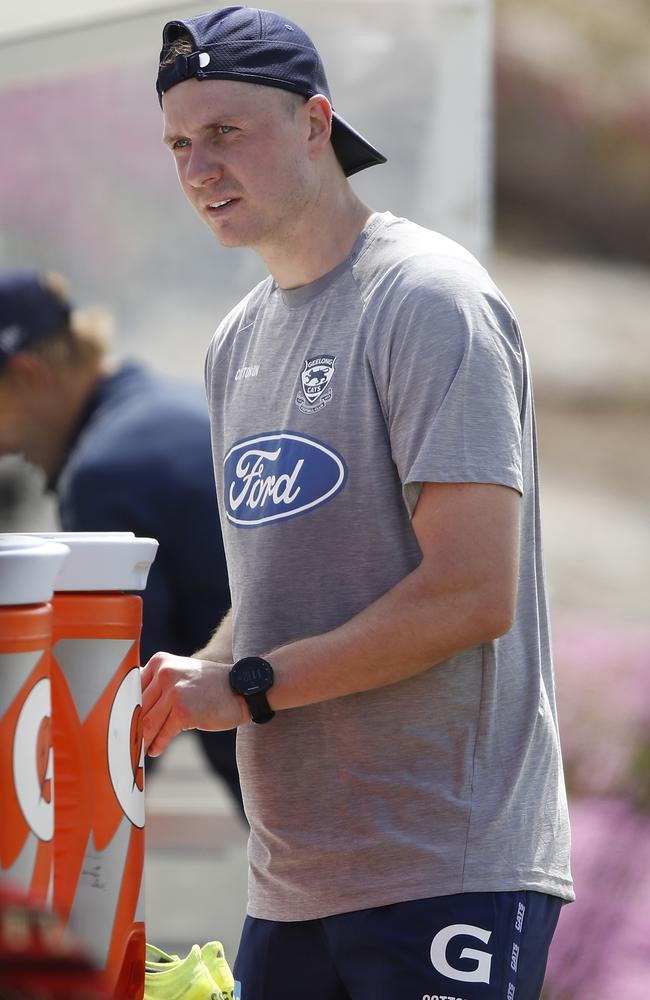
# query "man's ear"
(319, 111)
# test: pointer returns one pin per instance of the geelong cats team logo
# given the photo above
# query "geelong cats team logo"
(315, 380)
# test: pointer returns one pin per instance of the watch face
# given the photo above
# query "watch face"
(252, 674)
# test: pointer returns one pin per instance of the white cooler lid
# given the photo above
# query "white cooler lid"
(103, 560)
(28, 568)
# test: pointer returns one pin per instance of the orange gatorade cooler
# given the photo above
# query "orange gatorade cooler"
(28, 567)
(99, 753)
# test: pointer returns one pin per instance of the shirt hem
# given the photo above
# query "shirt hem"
(562, 888)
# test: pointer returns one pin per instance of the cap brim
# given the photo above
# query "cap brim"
(353, 151)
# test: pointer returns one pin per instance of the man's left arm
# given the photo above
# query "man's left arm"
(462, 594)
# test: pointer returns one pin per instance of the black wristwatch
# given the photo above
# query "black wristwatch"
(252, 677)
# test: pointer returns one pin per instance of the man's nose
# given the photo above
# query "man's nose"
(203, 167)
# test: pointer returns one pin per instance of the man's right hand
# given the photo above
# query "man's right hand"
(182, 692)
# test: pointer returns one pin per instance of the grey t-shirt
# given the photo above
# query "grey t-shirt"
(331, 404)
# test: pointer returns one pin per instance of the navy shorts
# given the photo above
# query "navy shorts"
(473, 946)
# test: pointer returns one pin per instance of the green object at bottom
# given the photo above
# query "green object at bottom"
(204, 974)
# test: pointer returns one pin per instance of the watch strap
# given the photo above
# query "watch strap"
(258, 706)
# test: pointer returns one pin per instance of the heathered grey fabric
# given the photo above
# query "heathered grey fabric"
(450, 781)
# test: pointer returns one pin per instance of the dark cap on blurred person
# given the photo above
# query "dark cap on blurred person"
(29, 312)
(259, 46)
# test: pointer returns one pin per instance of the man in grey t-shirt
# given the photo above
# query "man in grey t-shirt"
(387, 659)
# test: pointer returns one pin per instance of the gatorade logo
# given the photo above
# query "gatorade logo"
(43, 758)
(137, 754)
(33, 761)
(126, 747)
(482, 959)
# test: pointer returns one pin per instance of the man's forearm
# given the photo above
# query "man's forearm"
(407, 630)
(219, 647)
(462, 594)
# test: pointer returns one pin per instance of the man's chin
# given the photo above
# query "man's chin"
(228, 236)
(231, 240)
(232, 236)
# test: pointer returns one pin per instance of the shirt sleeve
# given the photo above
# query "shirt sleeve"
(450, 369)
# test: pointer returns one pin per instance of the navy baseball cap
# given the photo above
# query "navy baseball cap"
(29, 311)
(258, 46)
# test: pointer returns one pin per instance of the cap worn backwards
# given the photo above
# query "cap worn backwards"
(29, 311)
(259, 46)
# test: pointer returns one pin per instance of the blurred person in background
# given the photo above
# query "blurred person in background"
(124, 450)
(375, 456)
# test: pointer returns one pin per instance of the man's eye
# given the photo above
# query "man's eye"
(224, 129)
(180, 144)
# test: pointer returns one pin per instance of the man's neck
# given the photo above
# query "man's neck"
(74, 393)
(320, 240)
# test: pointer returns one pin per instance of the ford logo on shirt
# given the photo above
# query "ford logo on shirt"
(272, 477)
